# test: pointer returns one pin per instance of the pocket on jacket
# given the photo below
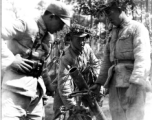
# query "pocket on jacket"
(124, 47)
(125, 43)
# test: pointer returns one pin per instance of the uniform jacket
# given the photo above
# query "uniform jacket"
(129, 42)
(7, 56)
(69, 59)
(20, 36)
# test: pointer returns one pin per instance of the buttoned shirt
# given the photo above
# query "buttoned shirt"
(128, 42)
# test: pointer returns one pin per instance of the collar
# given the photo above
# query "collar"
(41, 25)
(75, 51)
(125, 22)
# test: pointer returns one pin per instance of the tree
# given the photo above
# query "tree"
(147, 1)
(151, 6)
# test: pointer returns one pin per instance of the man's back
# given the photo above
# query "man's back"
(20, 35)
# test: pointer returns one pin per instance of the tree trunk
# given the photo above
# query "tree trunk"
(147, 1)
(151, 12)
(151, 6)
(141, 7)
(90, 20)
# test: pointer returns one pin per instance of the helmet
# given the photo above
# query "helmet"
(121, 4)
(63, 11)
(80, 30)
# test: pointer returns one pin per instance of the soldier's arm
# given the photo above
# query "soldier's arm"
(93, 61)
(10, 30)
(141, 50)
(7, 56)
(105, 65)
(17, 30)
(64, 83)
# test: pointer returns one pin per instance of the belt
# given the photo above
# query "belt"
(117, 61)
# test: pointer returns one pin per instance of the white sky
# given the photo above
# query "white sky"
(24, 7)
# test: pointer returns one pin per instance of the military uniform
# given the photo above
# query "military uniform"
(126, 61)
(7, 56)
(20, 36)
(72, 58)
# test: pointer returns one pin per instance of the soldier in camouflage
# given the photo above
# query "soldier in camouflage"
(77, 54)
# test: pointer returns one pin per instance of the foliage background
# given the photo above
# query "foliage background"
(34, 8)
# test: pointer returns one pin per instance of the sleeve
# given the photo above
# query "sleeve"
(105, 65)
(7, 56)
(65, 83)
(94, 61)
(12, 29)
(141, 50)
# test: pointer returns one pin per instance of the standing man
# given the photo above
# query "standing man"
(77, 54)
(27, 40)
(125, 68)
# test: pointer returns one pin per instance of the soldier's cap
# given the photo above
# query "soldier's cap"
(108, 6)
(80, 31)
(61, 10)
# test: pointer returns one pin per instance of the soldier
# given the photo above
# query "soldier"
(27, 40)
(77, 54)
(125, 68)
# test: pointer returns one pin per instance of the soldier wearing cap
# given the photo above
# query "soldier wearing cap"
(77, 54)
(28, 41)
(126, 65)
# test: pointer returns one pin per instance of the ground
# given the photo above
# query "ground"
(49, 109)
(105, 108)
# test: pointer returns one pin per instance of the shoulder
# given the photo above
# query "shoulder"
(31, 27)
(31, 24)
(20, 24)
(136, 23)
(12, 26)
(138, 26)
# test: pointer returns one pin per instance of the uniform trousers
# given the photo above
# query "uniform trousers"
(20, 107)
(120, 108)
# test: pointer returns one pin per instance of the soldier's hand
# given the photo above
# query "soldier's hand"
(131, 93)
(45, 99)
(48, 83)
(76, 108)
(50, 91)
(22, 65)
(99, 91)
(46, 48)
(96, 88)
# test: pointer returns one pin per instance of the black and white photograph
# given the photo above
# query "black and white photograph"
(76, 60)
